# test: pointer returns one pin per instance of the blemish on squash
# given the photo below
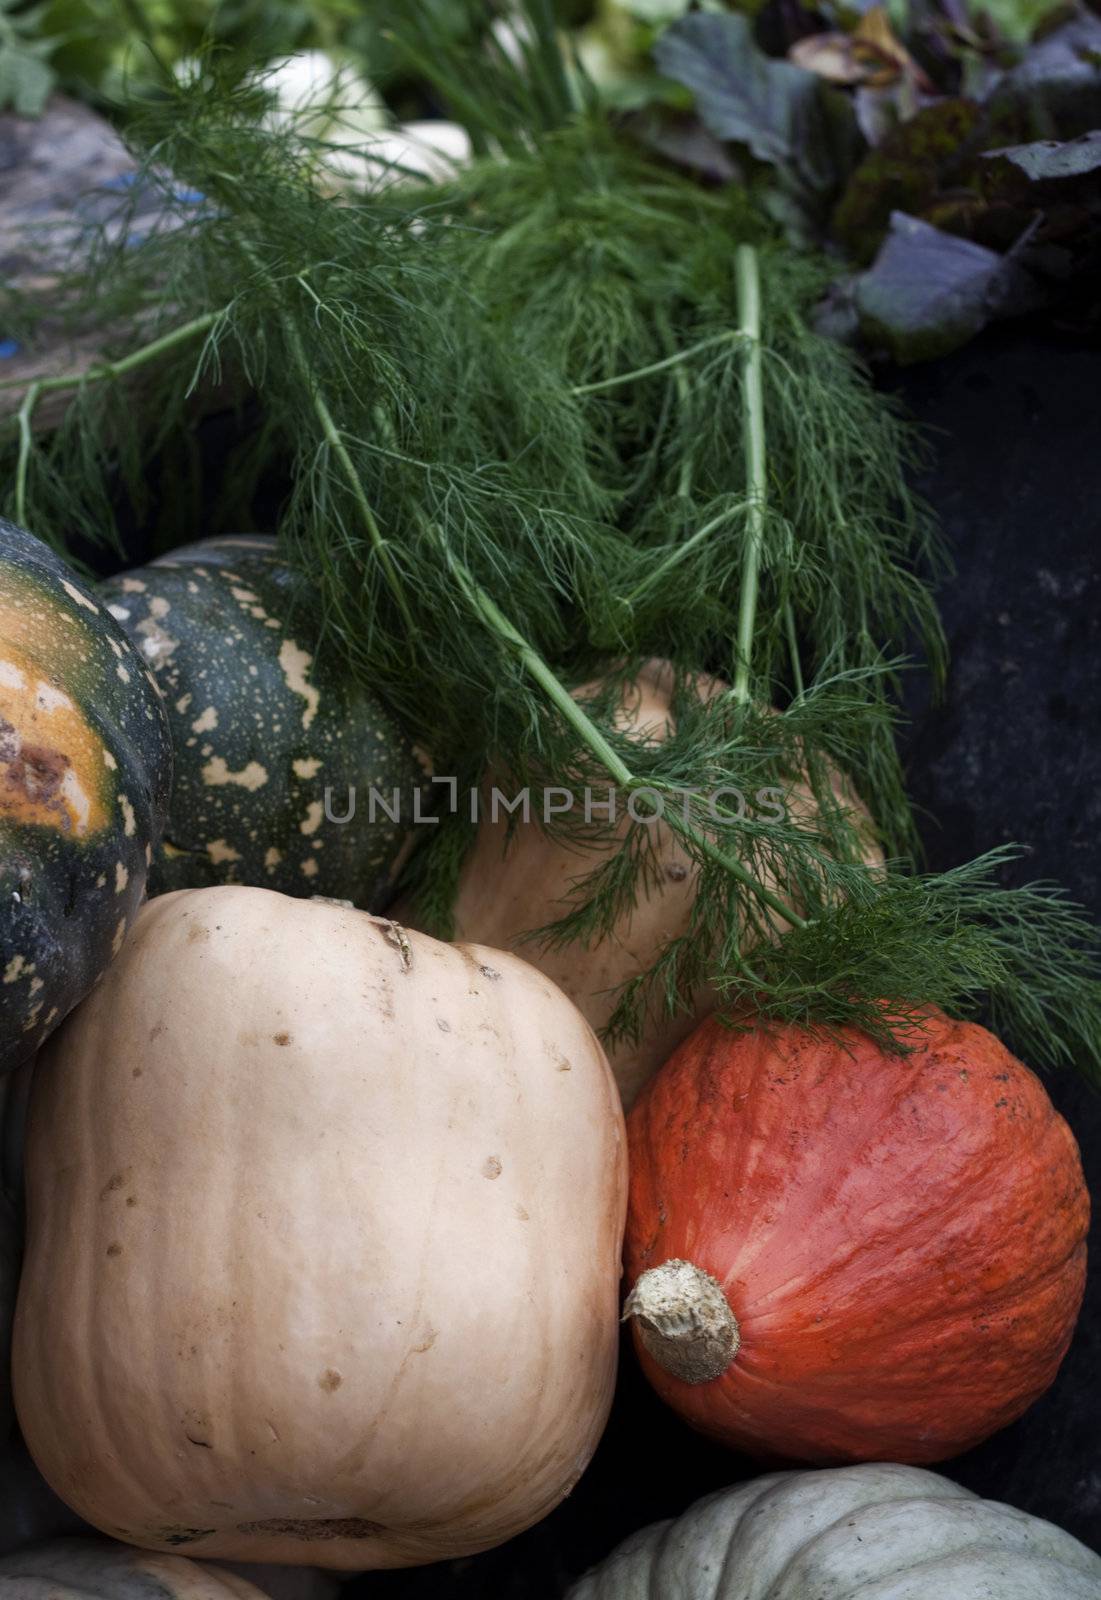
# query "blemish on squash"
(113, 1183)
(137, 1072)
(176, 1536)
(491, 1167)
(196, 932)
(444, 1027)
(489, 972)
(426, 1343)
(317, 1528)
(114, 1249)
(281, 1038)
(156, 1030)
(522, 1214)
(330, 1381)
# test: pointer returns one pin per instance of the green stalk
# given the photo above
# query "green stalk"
(678, 553)
(73, 380)
(680, 380)
(793, 649)
(125, 364)
(26, 445)
(656, 366)
(591, 736)
(748, 281)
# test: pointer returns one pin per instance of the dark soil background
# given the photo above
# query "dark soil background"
(1013, 752)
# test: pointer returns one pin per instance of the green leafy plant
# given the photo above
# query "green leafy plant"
(542, 421)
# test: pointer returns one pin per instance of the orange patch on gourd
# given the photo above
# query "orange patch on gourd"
(52, 764)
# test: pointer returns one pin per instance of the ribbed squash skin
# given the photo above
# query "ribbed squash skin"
(85, 764)
(854, 1533)
(900, 1238)
(324, 1235)
(78, 1569)
(263, 721)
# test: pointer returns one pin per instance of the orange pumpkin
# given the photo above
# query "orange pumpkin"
(840, 1254)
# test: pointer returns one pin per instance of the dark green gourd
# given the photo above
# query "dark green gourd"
(264, 722)
(85, 768)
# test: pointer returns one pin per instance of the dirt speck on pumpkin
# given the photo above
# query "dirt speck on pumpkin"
(281, 1038)
(156, 1031)
(114, 1249)
(491, 1167)
(330, 1381)
(113, 1183)
(197, 932)
(137, 1072)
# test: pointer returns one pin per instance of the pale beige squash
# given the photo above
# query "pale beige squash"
(324, 1236)
(515, 882)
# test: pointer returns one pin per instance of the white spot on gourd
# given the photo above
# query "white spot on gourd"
(306, 767)
(272, 858)
(122, 877)
(133, 586)
(11, 677)
(81, 599)
(159, 607)
(312, 820)
(78, 798)
(182, 703)
(206, 722)
(308, 868)
(120, 613)
(218, 851)
(122, 672)
(129, 823)
(109, 761)
(120, 935)
(49, 699)
(295, 664)
(216, 775)
(16, 967)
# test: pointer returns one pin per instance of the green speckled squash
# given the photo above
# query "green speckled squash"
(263, 723)
(85, 766)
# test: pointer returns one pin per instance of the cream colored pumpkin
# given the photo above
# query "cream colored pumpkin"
(878, 1532)
(512, 884)
(324, 1235)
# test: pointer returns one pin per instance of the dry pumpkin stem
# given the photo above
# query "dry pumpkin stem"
(505, 405)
